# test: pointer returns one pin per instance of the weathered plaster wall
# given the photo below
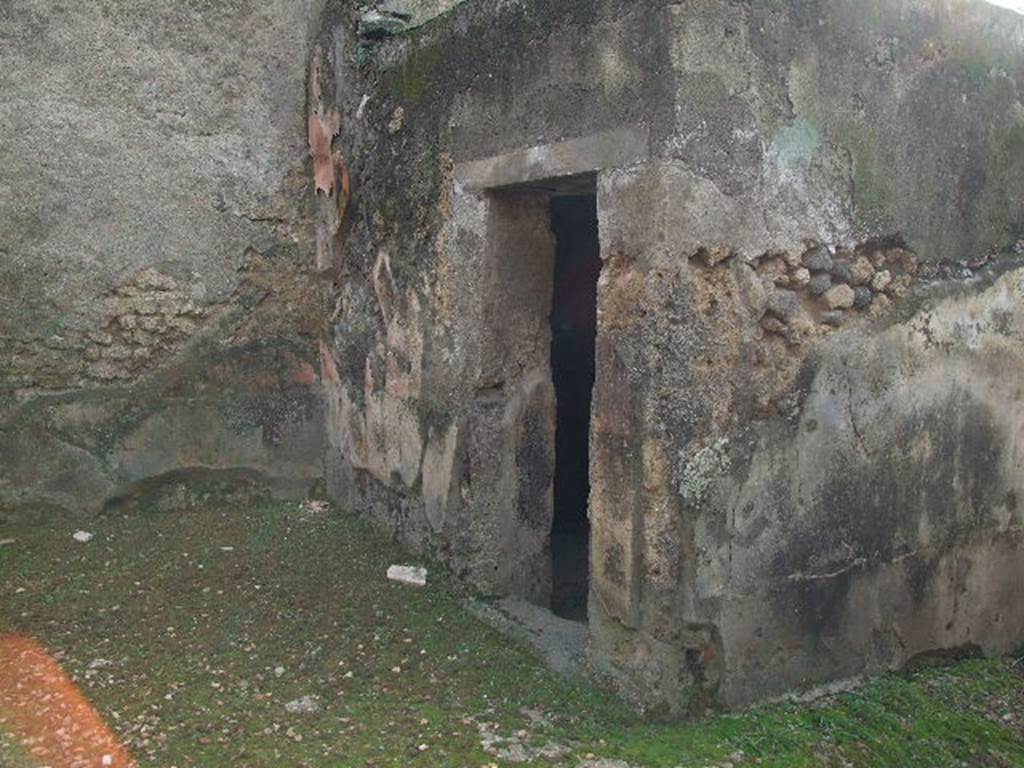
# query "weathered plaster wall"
(433, 364)
(812, 528)
(155, 309)
(806, 456)
(779, 171)
(883, 521)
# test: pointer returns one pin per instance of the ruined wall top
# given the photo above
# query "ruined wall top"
(843, 120)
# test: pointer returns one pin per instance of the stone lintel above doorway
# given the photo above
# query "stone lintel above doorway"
(564, 159)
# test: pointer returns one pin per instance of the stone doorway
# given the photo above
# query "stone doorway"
(529, 444)
(573, 336)
(518, 218)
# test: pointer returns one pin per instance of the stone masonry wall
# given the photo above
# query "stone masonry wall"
(157, 318)
(268, 241)
(781, 187)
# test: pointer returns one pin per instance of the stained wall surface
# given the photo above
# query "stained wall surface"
(796, 476)
(270, 241)
(156, 315)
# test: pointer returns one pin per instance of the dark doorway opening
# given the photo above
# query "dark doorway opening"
(573, 335)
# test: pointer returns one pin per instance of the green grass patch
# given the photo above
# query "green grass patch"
(190, 631)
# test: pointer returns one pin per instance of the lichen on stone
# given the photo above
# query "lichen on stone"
(700, 470)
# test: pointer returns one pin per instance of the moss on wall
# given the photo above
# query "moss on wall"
(413, 79)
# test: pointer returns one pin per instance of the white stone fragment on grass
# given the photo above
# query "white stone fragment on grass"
(313, 508)
(411, 575)
(82, 537)
(307, 705)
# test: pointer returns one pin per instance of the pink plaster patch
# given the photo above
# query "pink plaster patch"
(305, 374)
(322, 130)
(328, 368)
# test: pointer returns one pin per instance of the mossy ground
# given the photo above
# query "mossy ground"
(209, 620)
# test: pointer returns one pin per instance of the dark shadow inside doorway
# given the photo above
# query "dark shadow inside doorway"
(573, 335)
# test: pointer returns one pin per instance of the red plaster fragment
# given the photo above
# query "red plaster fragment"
(328, 368)
(322, 130)
(305, 374)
